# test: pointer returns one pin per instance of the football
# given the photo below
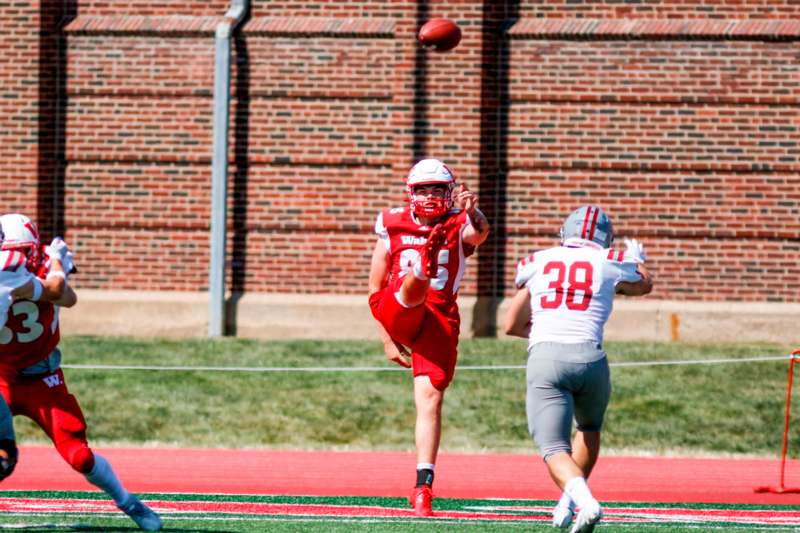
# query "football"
(440, 34)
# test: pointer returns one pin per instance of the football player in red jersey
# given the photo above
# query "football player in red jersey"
(16, 282)
(31, 379)
(417, 265)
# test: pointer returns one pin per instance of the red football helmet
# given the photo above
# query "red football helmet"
(21, 234)
(431, 172)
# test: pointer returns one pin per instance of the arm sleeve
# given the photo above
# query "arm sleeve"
(382, 232)
(526, 268)
(13, 274)
(13, 270)
(5, 304)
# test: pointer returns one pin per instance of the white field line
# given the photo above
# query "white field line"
(320, 369)
(466, 522)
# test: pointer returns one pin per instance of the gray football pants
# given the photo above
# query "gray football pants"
(565, 380)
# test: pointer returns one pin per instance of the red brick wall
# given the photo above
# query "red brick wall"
(19, 45)
(686, 131)
(679, 117)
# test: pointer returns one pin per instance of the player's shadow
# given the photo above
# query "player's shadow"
(52, 114)
(421, 126)
(498, 17)
(241, 124)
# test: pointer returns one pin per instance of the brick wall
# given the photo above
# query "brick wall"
(19, 126)
(680, 118)
(686, 130)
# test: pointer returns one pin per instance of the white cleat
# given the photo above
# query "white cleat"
(587, 518)
(562, 516)
(144, 517)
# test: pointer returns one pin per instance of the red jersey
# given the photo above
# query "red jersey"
(404, 237)
(30, 334)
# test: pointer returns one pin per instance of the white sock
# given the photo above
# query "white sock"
(424, 466)
(103, 477)
(566, 502)
(578, 490)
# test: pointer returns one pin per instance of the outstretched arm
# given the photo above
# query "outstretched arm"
(518, 318)
(637, 288)
(634, 251)
(53, 288)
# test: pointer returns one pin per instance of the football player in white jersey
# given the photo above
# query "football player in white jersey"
(565, 296)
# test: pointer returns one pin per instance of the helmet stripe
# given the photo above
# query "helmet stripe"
(584, 234)
(594, 223)
(9, 259)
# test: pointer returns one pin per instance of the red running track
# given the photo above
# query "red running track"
(623, 479)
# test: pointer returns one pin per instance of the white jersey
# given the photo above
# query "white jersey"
(13, 274)
(572, 291)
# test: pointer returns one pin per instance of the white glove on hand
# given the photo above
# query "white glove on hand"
(634, 251)
(68, 264)
(58, 249)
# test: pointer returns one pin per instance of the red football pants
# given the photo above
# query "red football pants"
(431, 334)
(46, 400)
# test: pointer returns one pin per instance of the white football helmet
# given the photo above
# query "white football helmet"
(588, 223)
(431, 172)
(20, 233)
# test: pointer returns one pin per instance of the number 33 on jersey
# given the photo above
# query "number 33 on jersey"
(572, 291)
(29, 336)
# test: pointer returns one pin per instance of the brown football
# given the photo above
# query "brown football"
(440, 34)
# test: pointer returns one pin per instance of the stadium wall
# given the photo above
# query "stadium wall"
(680, 118)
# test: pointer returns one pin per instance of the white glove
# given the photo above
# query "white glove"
(634, 251)
(58, 249)
(68, 264)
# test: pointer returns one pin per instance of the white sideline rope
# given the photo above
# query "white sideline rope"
(401, 369)
(705, 361)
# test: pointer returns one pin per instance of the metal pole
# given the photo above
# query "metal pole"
(219, 167)
(219, 182)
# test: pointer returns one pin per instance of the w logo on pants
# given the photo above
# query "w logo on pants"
(52, 381)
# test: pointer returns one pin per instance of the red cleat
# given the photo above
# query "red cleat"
(429, 255)
(421, 501)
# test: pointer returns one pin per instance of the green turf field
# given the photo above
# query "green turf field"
(691, 409)
(87, 511)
